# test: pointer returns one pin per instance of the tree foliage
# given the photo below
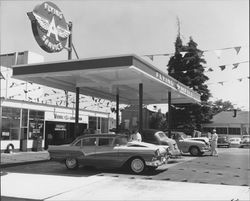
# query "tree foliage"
(220, 105)
(189, 70)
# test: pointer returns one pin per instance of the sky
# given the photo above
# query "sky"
(115, 27)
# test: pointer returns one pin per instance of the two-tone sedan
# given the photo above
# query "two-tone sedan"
(195, 146)
(110, 150)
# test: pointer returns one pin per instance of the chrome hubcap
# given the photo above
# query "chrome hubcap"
(137, 165)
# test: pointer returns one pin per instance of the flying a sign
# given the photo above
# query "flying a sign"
(49, 27)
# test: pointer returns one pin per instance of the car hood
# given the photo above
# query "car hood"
(143, 145)
(169, 140)
(203, 139)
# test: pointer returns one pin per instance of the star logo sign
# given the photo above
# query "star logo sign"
(49, 27)
(52, 29)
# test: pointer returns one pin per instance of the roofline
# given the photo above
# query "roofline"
(46, 105)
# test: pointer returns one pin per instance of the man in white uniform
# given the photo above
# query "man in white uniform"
(214, 139)
(136, 136)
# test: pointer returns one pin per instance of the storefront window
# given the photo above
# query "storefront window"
(92, 124)
(104, 125)
(221, 130)
(24, 117)
(36, 124)
(10, 123)
(234, 131)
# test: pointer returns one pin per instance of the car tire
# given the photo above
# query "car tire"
(71, 163)
(137, 165)
(194, 151)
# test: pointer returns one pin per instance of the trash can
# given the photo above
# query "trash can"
(37, 144)
(23, 145)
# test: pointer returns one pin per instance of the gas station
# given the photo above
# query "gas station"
(126, 79)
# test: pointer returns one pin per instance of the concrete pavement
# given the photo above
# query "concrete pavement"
(16, 158)
(27, 186)
(99, 187)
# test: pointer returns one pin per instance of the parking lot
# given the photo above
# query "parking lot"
(231, 168)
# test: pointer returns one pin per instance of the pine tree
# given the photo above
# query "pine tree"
(186, 66)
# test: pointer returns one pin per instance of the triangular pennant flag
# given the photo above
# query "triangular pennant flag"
(182, 54)
(1, 76)
(218, 53)
(210, 70)
(237, 49)
(240, 79)
(200, 54)
(151, 57)
(235, 65)
(222, 67)
(221, 83)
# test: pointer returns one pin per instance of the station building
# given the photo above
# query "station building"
(230, 123)
(23, 121)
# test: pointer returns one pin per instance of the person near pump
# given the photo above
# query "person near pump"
(214, 139)
(136, 136)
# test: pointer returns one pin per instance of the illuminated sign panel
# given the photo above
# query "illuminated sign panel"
(49, 27)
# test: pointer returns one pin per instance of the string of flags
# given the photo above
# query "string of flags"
(217, 52)
(226, 81)
(210, 69)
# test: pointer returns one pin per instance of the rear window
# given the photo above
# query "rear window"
(105, 141)
(89, 141)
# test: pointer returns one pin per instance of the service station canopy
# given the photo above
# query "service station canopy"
(108, 76)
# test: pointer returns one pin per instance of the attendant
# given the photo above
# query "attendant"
(214, 139)
(136, 136)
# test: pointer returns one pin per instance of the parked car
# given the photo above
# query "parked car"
(160, 138)
(234, 142)
(110, 150)
(223, 141)
(245, 141)
(194, 146)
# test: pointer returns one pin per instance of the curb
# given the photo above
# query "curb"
(22, 163)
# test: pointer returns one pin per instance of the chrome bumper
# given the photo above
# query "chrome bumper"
(205, 149)
(158, 162)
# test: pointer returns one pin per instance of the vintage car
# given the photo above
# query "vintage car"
(245, 141)
(234, 142)
(110, 150)
(223, 141)
(195, 146)
(160, 138)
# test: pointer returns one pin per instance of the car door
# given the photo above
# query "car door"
(88, 147)
(106, 155)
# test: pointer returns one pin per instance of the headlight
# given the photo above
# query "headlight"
(157, 152)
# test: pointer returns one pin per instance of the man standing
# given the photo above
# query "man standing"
(136, 136)
(214, 139)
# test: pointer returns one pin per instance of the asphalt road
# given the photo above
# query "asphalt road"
(230, 168)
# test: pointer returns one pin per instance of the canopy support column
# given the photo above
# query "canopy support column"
(117, 112)
(140, 107)
(76, 131)
(169, 113)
